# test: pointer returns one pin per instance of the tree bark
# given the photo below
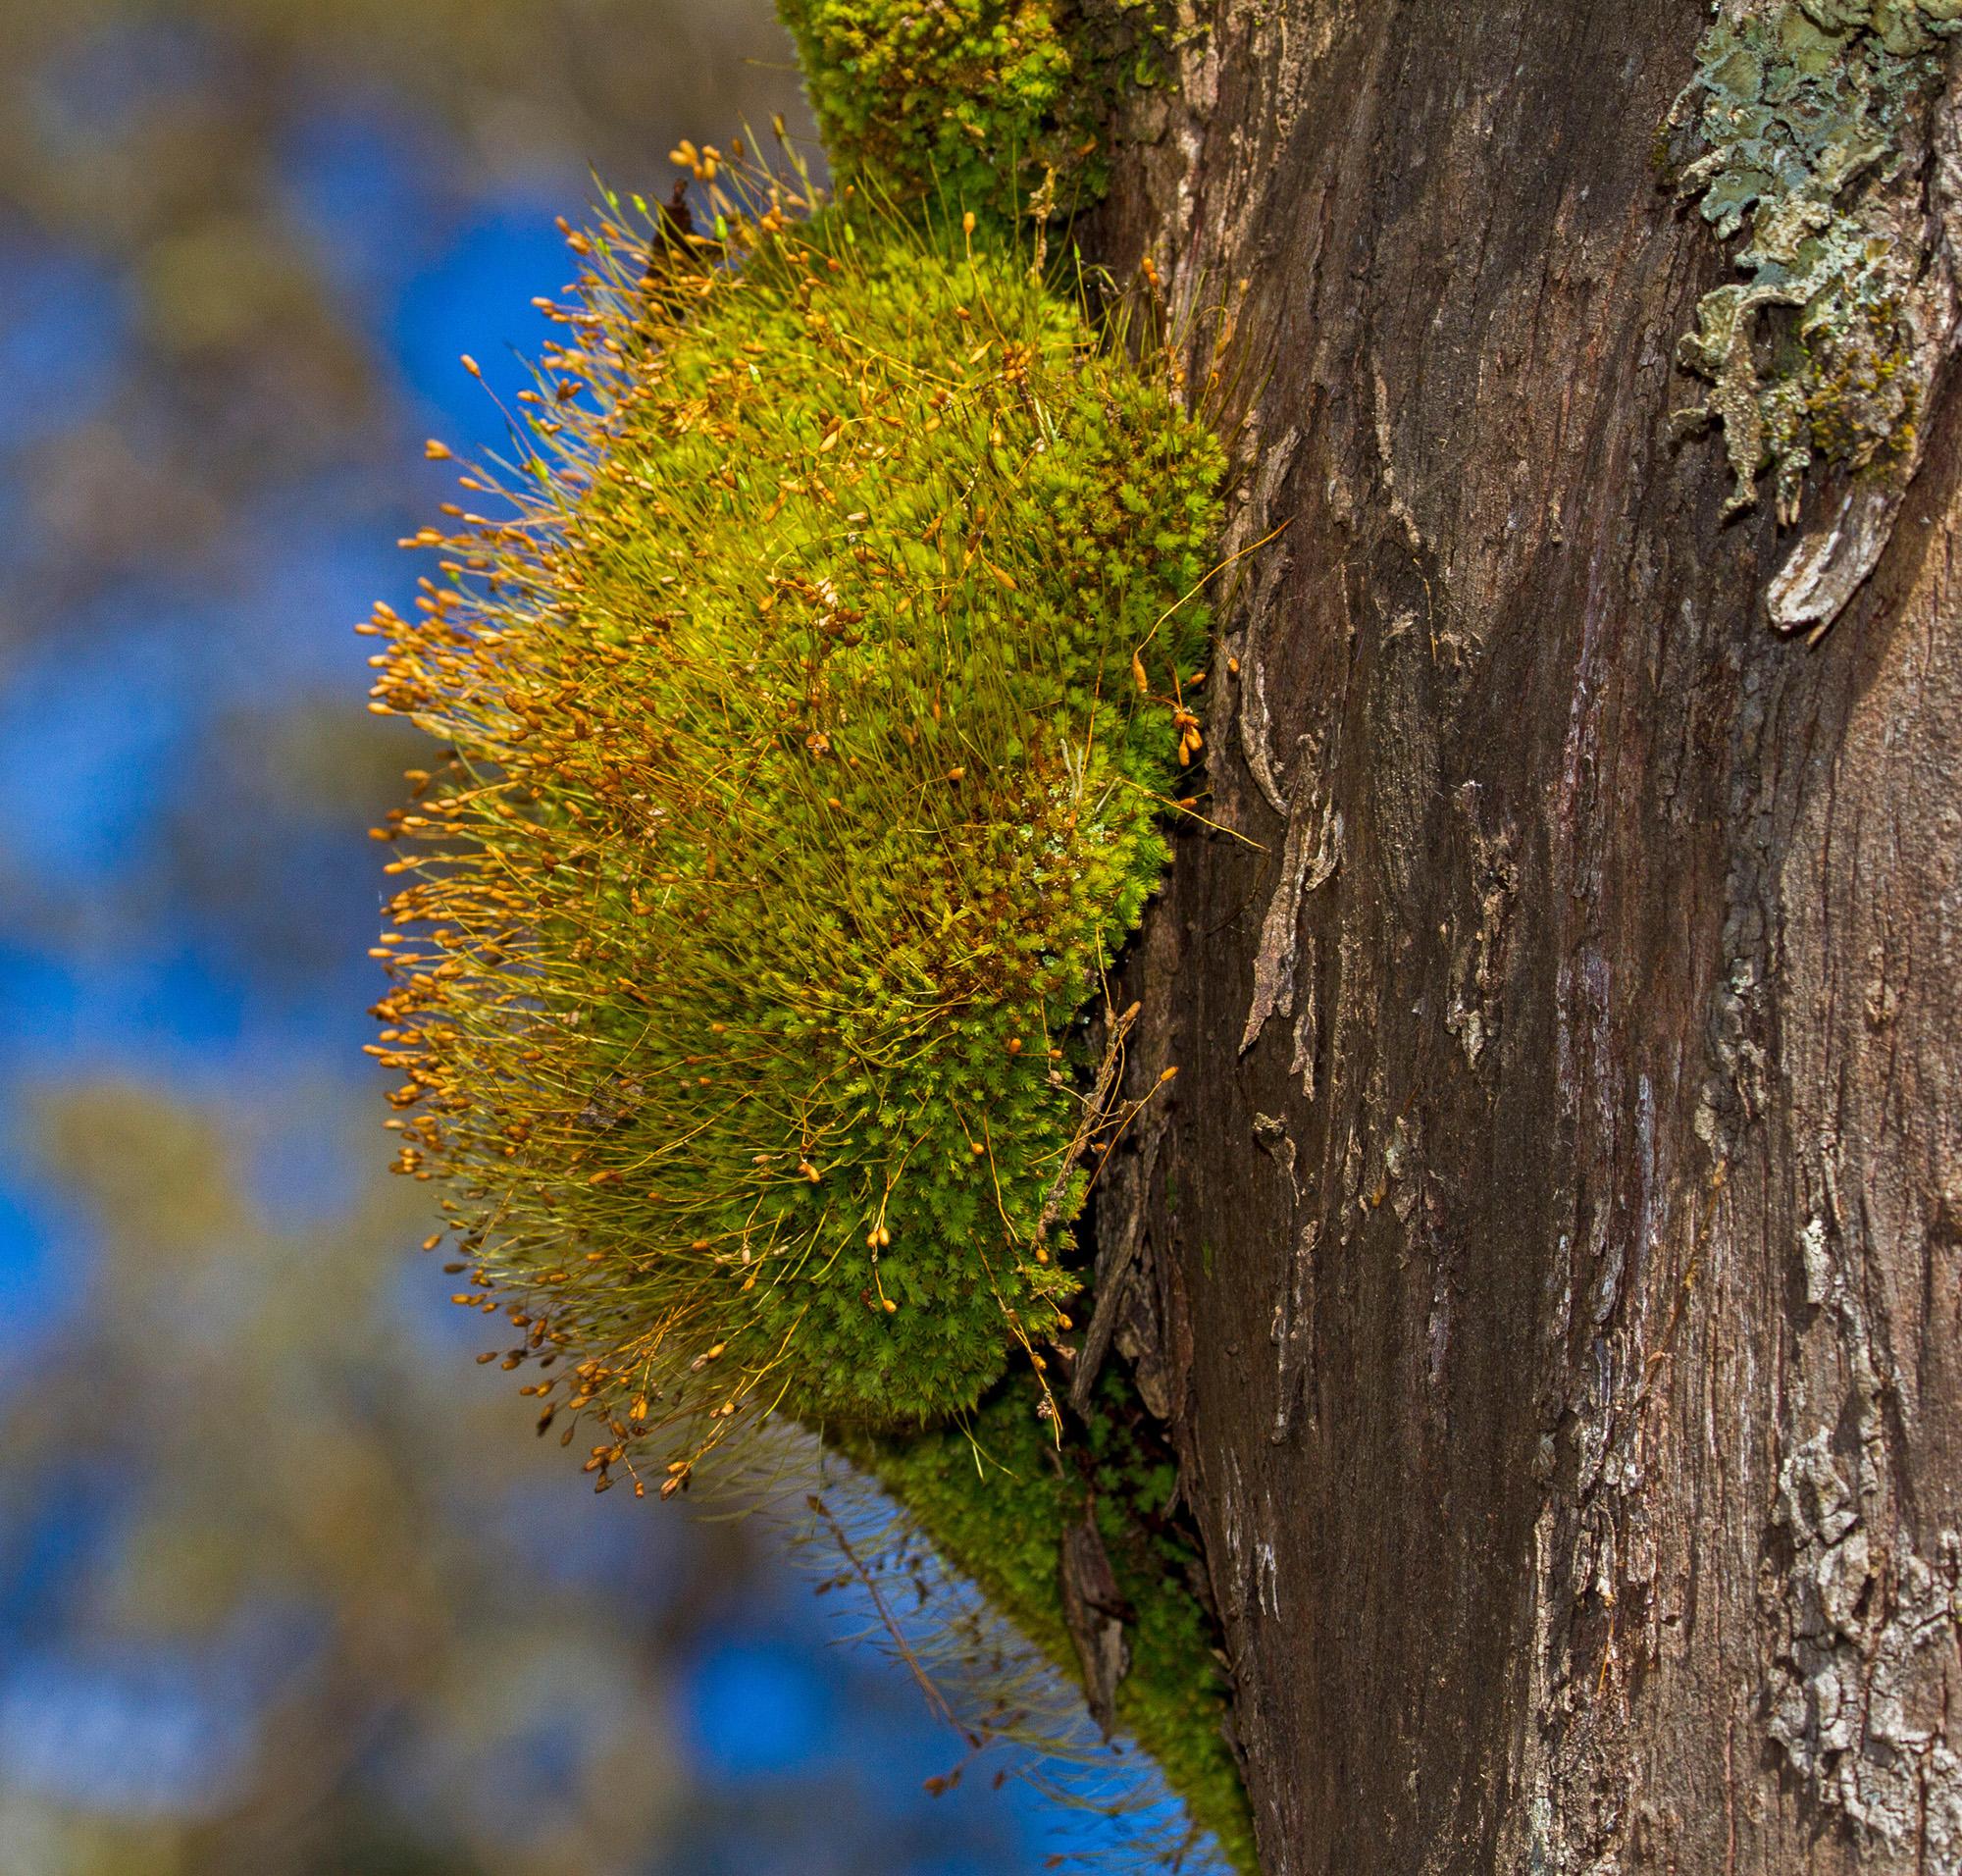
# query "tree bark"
(1549, 1254)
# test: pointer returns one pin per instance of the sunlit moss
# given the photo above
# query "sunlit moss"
(972, 102)
(811, 719)
(812, 715)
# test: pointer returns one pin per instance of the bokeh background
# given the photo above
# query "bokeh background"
(285, 1582)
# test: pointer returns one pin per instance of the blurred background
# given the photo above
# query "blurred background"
(286, 1585)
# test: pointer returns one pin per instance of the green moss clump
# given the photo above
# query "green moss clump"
(970, 102)
(995, 1496)
(812, 715)
(1807, 109)
(811, 706)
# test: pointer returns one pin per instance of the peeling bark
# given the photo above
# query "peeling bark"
(1550, 1252)
(1095, 1615)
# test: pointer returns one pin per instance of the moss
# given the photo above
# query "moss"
(996, 1495)
(1806, 110)
(971, 102)
(808, 717)
(802, 783)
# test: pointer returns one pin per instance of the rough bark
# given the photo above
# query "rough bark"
(1551, 1248)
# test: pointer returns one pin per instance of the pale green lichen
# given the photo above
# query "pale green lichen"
(1812, 110)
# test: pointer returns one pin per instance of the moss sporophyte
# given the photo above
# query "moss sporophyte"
(810, 704)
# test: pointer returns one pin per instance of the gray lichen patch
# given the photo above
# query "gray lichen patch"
(1812, 117)
(1858, 1690)
(1861, 1609)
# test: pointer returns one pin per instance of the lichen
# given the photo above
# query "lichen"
(1810, 111)
(978, 104)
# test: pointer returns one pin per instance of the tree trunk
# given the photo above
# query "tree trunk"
(1549, 1254)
